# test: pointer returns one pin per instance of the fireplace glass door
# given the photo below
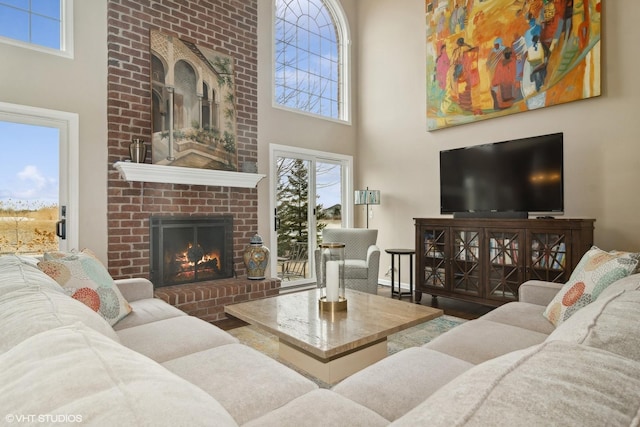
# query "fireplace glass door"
(188, 249)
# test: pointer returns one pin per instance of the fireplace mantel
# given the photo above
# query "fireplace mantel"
(146, 172)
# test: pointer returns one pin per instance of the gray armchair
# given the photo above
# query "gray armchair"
(362, 256)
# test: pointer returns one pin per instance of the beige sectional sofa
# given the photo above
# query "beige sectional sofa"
(61, 362)
(511, 367)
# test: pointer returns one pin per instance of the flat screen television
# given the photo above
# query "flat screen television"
(520, 176)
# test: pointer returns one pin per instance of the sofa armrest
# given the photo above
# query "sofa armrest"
(134, 289)
(538, 292)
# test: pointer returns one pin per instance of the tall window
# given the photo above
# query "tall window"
(44, 25)
(39, 186)
(311, 57)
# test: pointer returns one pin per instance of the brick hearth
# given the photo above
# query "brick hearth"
(206, 300)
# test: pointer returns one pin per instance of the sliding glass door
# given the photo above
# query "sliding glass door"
(309, 191)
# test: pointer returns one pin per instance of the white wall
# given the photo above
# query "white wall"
(79, 86)
(400, 158)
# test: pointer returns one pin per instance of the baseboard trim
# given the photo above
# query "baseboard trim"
(387, 283)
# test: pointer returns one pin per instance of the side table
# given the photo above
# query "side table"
(399, 252)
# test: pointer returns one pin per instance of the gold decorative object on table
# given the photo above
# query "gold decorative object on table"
(331, 278)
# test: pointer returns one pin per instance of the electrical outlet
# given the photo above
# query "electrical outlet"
(388, 273)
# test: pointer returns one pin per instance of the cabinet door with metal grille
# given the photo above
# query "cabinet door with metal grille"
(505, 264)
(548, 254)
(433, 263)
(466, 269)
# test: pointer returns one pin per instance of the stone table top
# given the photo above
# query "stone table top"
(295, 318)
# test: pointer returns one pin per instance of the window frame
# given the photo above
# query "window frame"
(344, 65)
(69, 126)
(66, 35)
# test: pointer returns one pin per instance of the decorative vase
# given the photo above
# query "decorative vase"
(256, 258)
(138, 151)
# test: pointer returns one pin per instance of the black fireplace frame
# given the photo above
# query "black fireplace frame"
(157, 226)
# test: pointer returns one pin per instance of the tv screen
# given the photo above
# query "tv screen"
(523, 175)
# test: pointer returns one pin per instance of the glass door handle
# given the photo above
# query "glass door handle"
(61, 229)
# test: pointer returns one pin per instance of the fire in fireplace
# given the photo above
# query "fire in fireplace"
(190, 249)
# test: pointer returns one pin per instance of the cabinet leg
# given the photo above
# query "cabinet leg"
(417, 296)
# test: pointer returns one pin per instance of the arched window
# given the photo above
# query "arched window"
(311, 57)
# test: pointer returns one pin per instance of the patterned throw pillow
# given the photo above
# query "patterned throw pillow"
(596, 270)
(84, 278)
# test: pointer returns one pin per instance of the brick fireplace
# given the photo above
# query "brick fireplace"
(226, 26)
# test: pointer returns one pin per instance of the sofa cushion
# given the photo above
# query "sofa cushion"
(581, 386)
(175, 337)
(147, 311)
(29, 311)
(84, 278)
(397, 384)
(135, 288)
(611, 323)
(15, 274)
(320, 408)
(246, 382)
(629, 283)
(522, 315)
(596, 270)
(479, 340)
(75, 371)
(538, 292)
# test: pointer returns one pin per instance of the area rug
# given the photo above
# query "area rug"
(267, 343)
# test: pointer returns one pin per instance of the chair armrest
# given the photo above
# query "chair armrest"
(134, 289)
(538, 292)
(371, 251)
(373, 262)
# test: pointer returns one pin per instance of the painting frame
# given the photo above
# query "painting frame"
(491, 58)
(194, 120)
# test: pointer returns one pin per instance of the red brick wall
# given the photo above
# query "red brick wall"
(226, 26)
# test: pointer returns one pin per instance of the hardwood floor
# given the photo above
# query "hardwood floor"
(451, 307)
(229, 323)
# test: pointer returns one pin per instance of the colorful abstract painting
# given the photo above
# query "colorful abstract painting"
(490, 58)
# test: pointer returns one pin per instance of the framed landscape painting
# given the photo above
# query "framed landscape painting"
(193, 105)
(490, 58)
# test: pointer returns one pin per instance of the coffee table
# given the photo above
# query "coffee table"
(331, 346)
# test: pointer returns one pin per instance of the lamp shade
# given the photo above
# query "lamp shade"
(367, 197)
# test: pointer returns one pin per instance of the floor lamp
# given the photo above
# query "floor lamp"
(367, 197)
